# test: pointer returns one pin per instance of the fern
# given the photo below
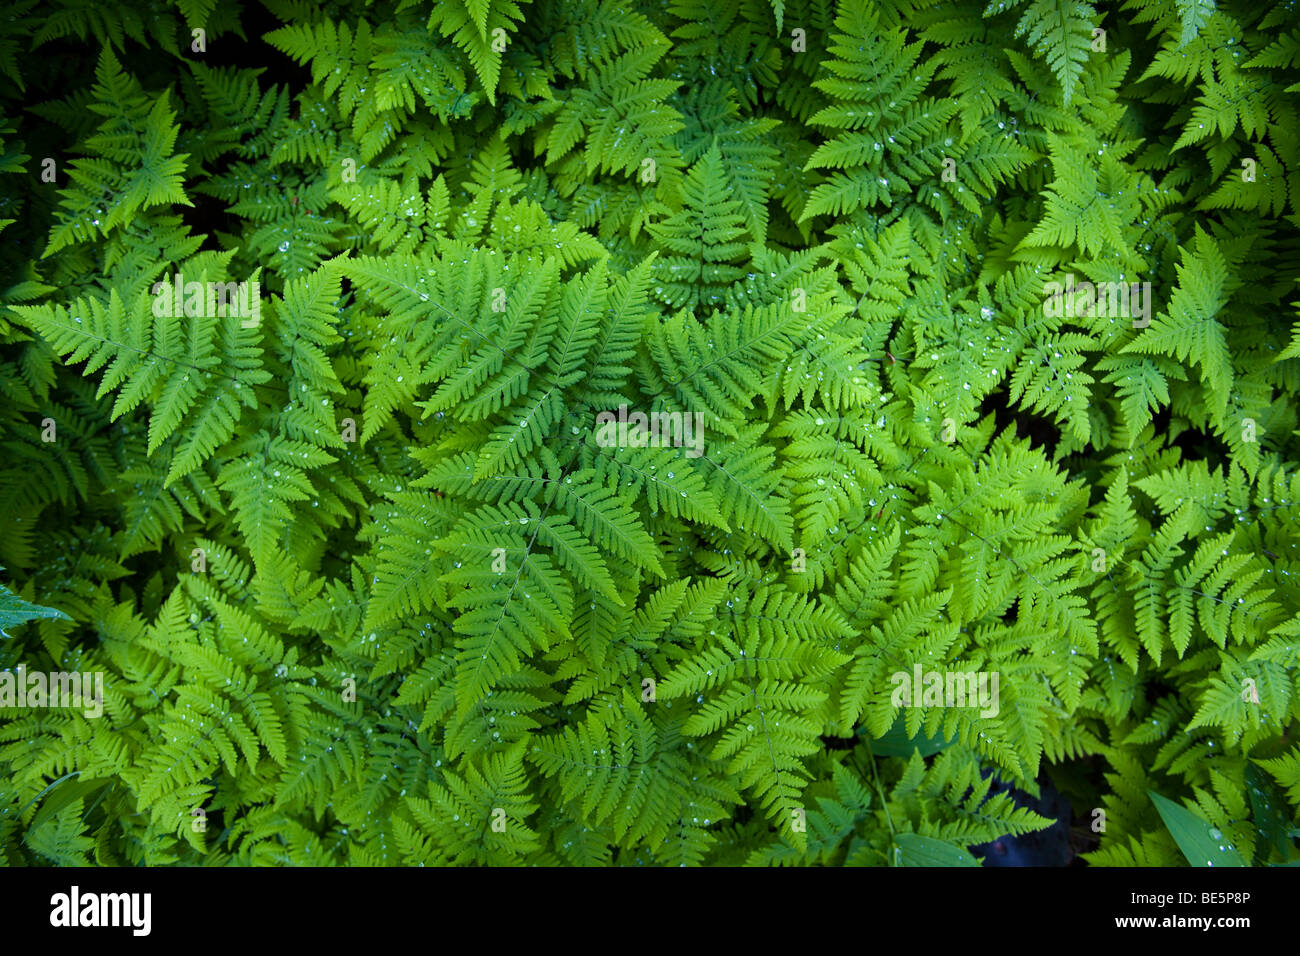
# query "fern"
(633, 398)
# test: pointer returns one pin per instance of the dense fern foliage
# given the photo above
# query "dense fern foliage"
(977, 324)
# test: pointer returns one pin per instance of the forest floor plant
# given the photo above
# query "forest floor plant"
(700, 432)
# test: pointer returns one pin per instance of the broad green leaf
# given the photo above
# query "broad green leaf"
(1202, 844)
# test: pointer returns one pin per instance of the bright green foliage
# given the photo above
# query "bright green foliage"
(373, 579)
(14, 611)
(703, 241)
